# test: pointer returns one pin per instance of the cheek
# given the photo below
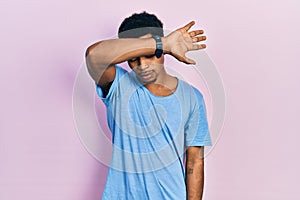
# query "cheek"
(159, 63)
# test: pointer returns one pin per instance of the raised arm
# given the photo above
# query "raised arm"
(195, 173)
(102, 56)
(105, 54)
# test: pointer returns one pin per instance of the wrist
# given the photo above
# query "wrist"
(166, 48)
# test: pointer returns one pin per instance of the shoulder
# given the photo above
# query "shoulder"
(121, 71)
(190, 90)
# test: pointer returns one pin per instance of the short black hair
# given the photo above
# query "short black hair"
(140, 24)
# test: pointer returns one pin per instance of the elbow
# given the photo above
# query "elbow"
(91, 54)
(88, 52)
(91, 62)
(89, 58)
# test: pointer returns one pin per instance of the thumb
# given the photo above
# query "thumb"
(189, 61)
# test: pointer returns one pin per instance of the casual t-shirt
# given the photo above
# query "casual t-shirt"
(149, 135)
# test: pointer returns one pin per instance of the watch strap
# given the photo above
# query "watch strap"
(159, 46)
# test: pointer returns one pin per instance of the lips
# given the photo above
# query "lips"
(146, 75)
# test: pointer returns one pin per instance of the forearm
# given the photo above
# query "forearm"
(194, 179)
(114, 51)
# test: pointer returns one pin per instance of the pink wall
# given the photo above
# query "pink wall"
(253, 44)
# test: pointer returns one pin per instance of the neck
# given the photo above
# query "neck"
(164, 85)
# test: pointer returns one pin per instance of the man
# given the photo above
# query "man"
(153, 116)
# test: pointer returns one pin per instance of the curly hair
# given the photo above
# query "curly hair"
(140, 24)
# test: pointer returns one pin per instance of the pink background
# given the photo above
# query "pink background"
(255, 45)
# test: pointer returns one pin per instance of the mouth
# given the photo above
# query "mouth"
(146, 75)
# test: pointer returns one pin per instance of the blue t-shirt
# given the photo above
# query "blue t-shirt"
(149, 136)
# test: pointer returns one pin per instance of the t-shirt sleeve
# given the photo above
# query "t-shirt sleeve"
(196, 128)
(119, 73)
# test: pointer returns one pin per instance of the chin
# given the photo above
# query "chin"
(145, 82)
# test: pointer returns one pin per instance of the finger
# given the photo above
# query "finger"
(184, 59)
(198, 46)
(188, 26)
(196, 32)
(198, 39)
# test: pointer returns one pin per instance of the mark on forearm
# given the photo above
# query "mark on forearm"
(189, 170)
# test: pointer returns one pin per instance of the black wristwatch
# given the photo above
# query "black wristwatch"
(159, 49)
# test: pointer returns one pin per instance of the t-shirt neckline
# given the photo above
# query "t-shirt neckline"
(156, 96)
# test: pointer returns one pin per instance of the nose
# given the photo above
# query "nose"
(143, 63)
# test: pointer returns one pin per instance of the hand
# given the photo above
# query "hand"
(181, 41)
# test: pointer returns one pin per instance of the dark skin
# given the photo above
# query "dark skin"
(194, 172)
(102, 57)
